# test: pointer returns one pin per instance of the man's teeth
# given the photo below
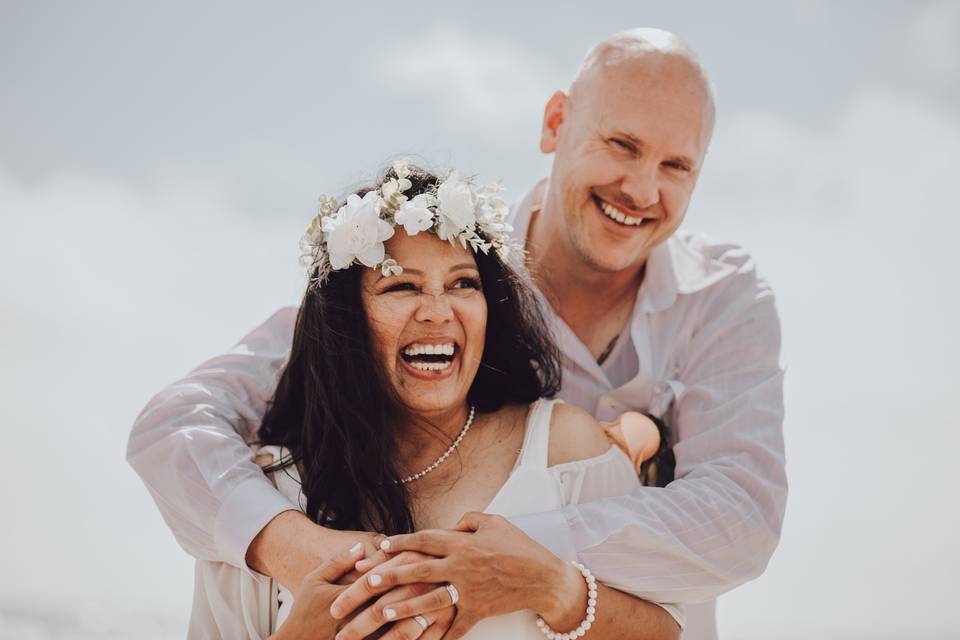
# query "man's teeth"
(429, 349)
(616, 214)
(431, 366)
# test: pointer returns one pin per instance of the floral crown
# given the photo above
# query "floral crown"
(354, 233)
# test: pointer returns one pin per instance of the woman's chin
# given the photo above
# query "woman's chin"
(431, 391)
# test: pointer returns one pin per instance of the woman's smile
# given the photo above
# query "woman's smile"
(435, 359)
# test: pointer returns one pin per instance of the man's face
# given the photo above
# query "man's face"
(628, 153)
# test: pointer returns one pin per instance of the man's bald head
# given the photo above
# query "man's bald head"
(628, 142)
(645, 55)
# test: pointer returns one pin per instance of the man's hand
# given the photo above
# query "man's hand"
(291, 545)
(495, 567)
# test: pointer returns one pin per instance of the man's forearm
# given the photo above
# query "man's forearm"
(292, 545)
(274, 551)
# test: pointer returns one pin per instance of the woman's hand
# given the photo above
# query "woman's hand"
(495, 567)
(399, 605)
(310, 616)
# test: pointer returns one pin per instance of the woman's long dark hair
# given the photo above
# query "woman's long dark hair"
(337, 413)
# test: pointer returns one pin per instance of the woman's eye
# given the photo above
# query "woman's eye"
(400, 287)
(622, 144)
(467, 283)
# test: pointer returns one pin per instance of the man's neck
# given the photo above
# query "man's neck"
(594, 304)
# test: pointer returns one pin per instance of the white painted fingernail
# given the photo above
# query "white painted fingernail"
(356, 548)
(390, 614)
(385, 545)
(375, 580)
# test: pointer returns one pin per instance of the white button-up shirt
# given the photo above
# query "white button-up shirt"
(707, 341)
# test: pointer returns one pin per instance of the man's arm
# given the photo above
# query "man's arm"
(189, 445)
(718, 523)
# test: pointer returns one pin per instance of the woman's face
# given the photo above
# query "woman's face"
(428, 323)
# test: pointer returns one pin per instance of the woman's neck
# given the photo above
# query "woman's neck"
(423, 439)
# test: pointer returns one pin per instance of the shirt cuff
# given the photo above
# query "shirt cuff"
(551, 530)
(246, 511)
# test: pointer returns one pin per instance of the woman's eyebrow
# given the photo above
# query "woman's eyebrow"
(417, 272)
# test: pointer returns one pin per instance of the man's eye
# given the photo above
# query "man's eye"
(678, 166)
(622, 144)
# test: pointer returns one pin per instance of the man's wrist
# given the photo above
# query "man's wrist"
(263, 548)
(562, 596)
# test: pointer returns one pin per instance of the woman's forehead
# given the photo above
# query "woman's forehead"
(427, 253)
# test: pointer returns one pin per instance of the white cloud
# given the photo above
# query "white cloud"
(932, 40)
(106, 294)
(472, 81)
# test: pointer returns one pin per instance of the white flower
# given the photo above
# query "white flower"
(389, 267)
(457, 207)
(327, 205)
(393, 185)
(357, 232)
(401, 168)
(414, 215)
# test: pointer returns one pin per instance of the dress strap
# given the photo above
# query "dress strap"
(536, 441)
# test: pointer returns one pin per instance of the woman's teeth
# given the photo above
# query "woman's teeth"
(429, 357)
(429, 349)
(616, 214)
(431, 366)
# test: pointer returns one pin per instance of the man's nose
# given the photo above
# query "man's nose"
(642, 183)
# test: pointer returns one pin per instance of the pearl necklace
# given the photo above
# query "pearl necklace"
(445, 455)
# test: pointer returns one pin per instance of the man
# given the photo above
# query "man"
(647, 320)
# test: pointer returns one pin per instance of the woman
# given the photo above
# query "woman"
(415, 392)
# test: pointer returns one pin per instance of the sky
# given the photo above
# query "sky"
(158, 163)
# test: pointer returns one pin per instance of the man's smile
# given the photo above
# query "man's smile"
(621, 216)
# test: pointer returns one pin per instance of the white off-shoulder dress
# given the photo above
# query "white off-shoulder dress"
(232, 603)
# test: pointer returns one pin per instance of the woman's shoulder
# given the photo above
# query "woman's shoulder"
(574, 435)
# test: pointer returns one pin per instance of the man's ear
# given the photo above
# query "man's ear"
(553, 116)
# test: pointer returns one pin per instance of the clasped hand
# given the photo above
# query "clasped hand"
(311, 618)
(495, 567)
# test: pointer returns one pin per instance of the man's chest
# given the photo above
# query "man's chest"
(648, 377)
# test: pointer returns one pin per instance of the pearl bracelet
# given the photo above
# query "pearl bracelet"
(584, 626)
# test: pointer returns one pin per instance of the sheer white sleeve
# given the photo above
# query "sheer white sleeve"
(189, 445)
(718, 523)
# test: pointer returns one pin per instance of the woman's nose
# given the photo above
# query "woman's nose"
(434, 306)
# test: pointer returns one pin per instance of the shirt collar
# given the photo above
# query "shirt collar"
(674, 267)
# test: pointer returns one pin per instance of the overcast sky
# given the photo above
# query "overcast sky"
(159, 161)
